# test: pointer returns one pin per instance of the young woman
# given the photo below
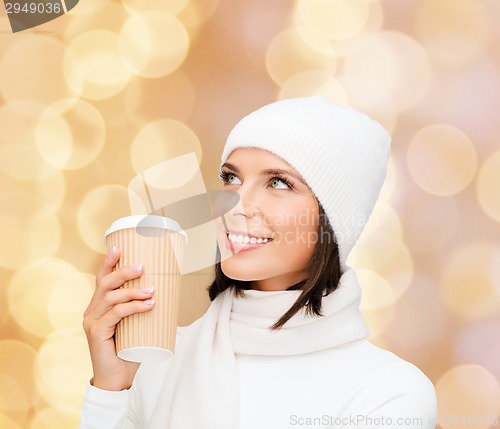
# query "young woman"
(283, 343)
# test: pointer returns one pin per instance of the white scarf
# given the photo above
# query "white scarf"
(201, 390)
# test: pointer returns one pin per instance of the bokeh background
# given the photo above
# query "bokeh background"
(91, 99)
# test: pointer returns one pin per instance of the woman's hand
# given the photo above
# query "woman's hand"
(108, 306)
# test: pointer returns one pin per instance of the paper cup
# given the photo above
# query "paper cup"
(158, 243)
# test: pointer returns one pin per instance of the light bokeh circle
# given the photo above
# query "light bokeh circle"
(69, 298)
(376, 291)
(452, 34)
(371, 98)
(466, 283)
(93, 58)
(296, 50)
(334, 19)
(161, 140)
(98, 210)
(464, 99)
(54, 417)
(29, 226)
(475, 343)
(18, 121)
(430, 221)
(277, 17)
(346, 46)
(395, 62)
(171, 97)
(70, 135)
(310, 83)
(15, 400)
(173, 7)
(441, 159)
(16, 376)
(29, 292)
(153, 43)
(197, 13)
(31, 69)
(101, 15)
(469, 397)
(487, 190)
(62, 367)
(383, 220)
(394, 264)
(88, 8)
(25, 202)
(378, 320)
(26, 242)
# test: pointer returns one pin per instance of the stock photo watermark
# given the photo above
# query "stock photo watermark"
(358, 420)
(363, 420)
(28, 14)
(299, 227)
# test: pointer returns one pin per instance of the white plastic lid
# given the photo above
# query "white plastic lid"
(145, 221)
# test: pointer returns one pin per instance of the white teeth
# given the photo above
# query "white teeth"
(245, 239)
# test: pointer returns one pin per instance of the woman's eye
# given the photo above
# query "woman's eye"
(278, 181)
(230, 178)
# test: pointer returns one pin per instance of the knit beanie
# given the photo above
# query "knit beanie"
(341, 153)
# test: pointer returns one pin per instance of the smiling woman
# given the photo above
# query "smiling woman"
(283, 336)
(282, 220)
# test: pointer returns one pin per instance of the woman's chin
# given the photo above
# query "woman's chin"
(241, 272)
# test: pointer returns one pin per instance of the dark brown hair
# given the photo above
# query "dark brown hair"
(324, 275)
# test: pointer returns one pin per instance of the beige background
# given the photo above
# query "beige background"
(91, 99)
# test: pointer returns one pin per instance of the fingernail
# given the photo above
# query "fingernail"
(112, 251)
(149, 302)
(136, 268)
(148, 290)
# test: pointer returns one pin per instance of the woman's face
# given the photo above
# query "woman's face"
(274, 205)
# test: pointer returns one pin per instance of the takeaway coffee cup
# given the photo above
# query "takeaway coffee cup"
(158, 243)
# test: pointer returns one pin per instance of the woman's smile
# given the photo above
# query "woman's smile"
(238, 242)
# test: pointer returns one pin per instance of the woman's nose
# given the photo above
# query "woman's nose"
(248, 204)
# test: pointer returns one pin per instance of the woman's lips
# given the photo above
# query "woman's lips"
(243, 247)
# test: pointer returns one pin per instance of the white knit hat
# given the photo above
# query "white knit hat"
(341, 153)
